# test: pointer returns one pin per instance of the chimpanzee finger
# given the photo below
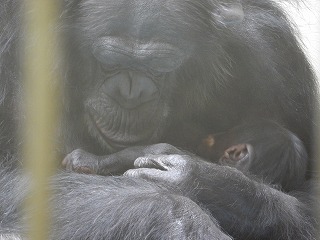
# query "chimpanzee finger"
(152, 161)
(162, 162)
(146, 173)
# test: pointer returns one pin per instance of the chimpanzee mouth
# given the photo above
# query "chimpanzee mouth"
(100, 130)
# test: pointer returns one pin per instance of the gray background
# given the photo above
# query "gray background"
(307, 18)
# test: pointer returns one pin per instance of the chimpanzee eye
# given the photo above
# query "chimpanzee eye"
(109, 71)
(164, 64)
(156, 74)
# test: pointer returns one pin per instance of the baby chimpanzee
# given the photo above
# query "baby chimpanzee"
(260, 157)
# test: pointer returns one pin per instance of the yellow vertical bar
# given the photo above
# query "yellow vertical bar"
(41, 109)
(316, 156)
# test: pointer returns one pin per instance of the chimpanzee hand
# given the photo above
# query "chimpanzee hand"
(82, 162)
(172, 169)
(117, 163)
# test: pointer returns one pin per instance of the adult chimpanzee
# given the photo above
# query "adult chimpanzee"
(144, 72)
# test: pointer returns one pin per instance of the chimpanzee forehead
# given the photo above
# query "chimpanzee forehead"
(141, 19)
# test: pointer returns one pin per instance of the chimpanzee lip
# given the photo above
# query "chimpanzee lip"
(112, 144)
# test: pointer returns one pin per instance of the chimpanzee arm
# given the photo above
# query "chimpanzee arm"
(113, 164)
(244, 207)
(110, 208)
(249, 209)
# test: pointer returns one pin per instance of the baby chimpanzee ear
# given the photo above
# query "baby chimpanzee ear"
(239, 156)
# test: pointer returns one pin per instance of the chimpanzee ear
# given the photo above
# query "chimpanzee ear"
(239, 156)
(228, 13)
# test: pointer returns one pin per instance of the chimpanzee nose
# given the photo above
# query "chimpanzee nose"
(131, 89)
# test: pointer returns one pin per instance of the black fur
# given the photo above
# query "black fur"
(232, 63)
